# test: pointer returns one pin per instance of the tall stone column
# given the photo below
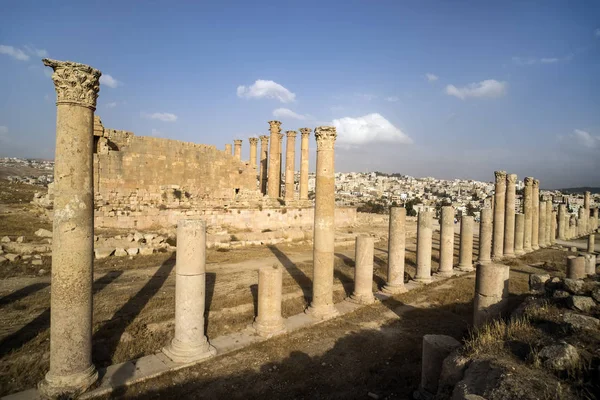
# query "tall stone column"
(465, 261)
(269, 321)
(280, 162)
(485, 236)
(228, 150)
(446, 241)
(499, 209)
(190, 343)
(509, 216)
(264, 155)
(542, 225)
(549, 229)
(237, 149)
(581, 222)
(553, 228)
(519, 226)
(253, 142)
(363, 271)
(290, 160)
(396, 251)
(535, 215)
(424, 239)
(274, 161)
(591, 244)
(528, 212)
(586, 205)
(305, 132)
(562, 222)
(71, 369)
(322, 306)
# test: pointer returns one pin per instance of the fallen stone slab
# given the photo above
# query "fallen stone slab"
(581, 322)
(559, 357)
(132, 251)
(120, 252)
(43, 233)
(581, 303)
(12, 257)
(3, 260)
(5, 239)
(146, 251)
(26, 248)
(103, 252)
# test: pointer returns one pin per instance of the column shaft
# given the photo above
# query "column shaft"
(305, 132)
(499, 209)
(528, 213)
(274, 161)
(253, 142)
(509, 216)
(562, 225)
(519, 235)
(363, 271)
(542, 225)
(424, 238)
(268, 320)
(446, 241)
(396, 251)
(237, 149)
(466, 244)
(485, 236)
(264, 156)
(290, 160)
(535, 215)
(553, 228)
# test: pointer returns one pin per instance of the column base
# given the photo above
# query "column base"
(465, 268)
(527, 250)
(184, 353)
(535, 247)
(391, 288)
(483, 262)
(509, 255)
(424, 280)
(67, 386)
(322, 312)
(446, 274)
(268, 329)
(361, 298)
(519, 252)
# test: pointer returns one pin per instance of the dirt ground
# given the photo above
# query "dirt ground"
(373, 350)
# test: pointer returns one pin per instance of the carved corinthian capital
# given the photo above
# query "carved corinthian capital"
(500, 176)
(75, 83)
(511, 179)
(275, 126)
(291, 134)
(253, 140)
(325, 136)
(536, 183)
(528, 181)
(305, 131)
(264, 139)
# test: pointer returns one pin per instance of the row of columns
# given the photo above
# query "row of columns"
(271, 161)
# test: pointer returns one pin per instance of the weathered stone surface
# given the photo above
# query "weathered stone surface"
(435, 349)
(537, 283)
(37, 262)
(5, 239)
(146, 251)
(3, 260)
(20, 239)
(12, 257)
(453, 370)
(103, 252)
(560, 294)
(120, 252)
(26, 248)
(559, 357)
(583, 322)
(132, 251)
(44, 233)
(596, 294)
(581, 303)
(574, 286)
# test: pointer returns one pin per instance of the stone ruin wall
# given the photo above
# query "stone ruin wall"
(145, 182)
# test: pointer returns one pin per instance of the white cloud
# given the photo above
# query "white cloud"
(368, 129)
(109, 81)
(111, 105)
(165, 117)
(586, 139)
(431, 77)
(266, 89)
(13, 52)
(549, 60)
(36, 52)
(287, 113)
(543, 60)
(487, 88)
(392, 99)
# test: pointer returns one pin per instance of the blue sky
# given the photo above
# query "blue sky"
(444, 89)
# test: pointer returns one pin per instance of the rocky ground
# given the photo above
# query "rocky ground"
(373, 352)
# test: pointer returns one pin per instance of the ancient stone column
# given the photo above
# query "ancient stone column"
(590, 264)
(237, 149)
(586, 206)
(535, 215)
(396, 251)
(290, 160)
(446, 241)
(581, 222)
(591, 246)
(491, 292)
(542, 225)
(576, 267)
(528, 213)
(549, 229)
(499, 209)
(71, 369)
(190, 343)
(435, 349)
(280, 162)
(485, 236)
(305, 132)
(519, 225)
(553, 228)
(269, 321)
(363, 271)
(264, 154)
(274, 161)
(562, 222)
(465, 260)
(253, 142)
(322, 306)
(424, 238)
(509, 216)
(228, 150)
